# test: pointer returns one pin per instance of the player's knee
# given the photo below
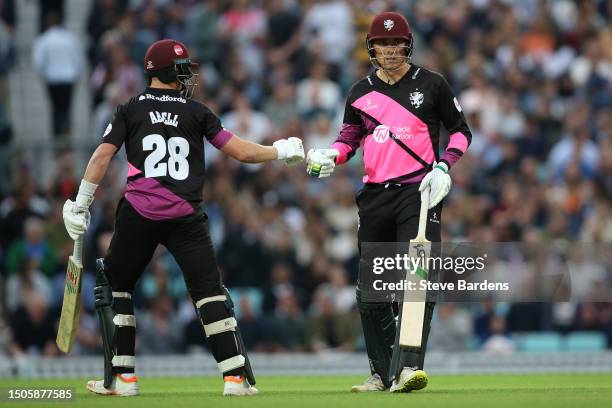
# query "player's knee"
(205, 289)
(215, 315)
(220, 326)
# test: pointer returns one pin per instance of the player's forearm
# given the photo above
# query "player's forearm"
(98, 163)
(256, 153)
(94, 173)
(96, 168)
(457, 146)
(348, 142)
(289, 150)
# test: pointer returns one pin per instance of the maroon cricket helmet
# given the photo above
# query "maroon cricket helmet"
(389, 25)
(169, 60)
(165, 54)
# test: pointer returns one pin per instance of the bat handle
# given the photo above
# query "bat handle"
(77, 254)
(423, 214)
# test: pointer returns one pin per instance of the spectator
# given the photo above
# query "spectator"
(574, 148)
(250, 124)
(280, 107)
(256, 331)
(328, 32)
(289, 323)
(498, 342)
(452, 328)
(28, 281)
(58, 57)
(33, 330)
(157, 332)
(102, 17)
(283, 32)
(329, 328)
(33, 246)
(202, 30)
(117, 69)
(317, 93)
(15, 209)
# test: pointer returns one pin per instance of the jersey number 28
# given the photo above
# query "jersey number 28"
(177, 166)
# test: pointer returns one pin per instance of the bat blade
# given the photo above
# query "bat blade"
(413, 306)
(71, 305)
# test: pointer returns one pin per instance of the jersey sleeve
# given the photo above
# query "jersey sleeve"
(116, 131)
(454, 121)
(213, 131)
(350, 136)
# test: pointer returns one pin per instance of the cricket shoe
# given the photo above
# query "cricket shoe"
(409, 380)
(238, 386)
(374, 383)
(122, 386)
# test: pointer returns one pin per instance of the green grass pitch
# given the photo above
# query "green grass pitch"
(498, 391)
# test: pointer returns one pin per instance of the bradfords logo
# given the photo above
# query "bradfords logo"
(178, 49)
(150, 65)
(389, 24)
(163, 98)
(381, 133)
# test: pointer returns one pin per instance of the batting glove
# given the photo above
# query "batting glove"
(76, 213)
(439, 183)
(76, 219)
(289, 150)
(321, 162)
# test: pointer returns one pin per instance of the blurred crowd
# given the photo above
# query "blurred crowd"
(534, 78)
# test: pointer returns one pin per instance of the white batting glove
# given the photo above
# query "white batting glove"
(289, 150)
(439, 183)
(76, 219)
(76, 213)
(321, 162)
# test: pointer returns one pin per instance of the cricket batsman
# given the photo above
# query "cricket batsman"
(394, 114)
(164, 132)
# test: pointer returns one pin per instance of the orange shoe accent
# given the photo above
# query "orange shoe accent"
(238, 379)
(132, 379)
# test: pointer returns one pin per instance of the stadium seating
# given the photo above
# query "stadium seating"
(540, 342)
(585, 341)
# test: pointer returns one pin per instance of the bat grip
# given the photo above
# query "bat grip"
(423, 214)
(77, 254)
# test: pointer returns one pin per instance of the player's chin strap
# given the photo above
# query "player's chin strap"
(115, 312)
(372, 53)
(223, 335)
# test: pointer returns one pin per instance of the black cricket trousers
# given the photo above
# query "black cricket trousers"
(136, 238)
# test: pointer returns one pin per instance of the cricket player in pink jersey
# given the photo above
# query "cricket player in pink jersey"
(394, 115)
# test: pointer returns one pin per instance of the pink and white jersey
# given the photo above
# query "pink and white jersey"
(398, 126)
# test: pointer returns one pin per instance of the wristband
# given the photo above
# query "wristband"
(86, 192)
(442, 166)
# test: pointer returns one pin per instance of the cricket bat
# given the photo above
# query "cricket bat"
(413, 305)
(71, 306)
